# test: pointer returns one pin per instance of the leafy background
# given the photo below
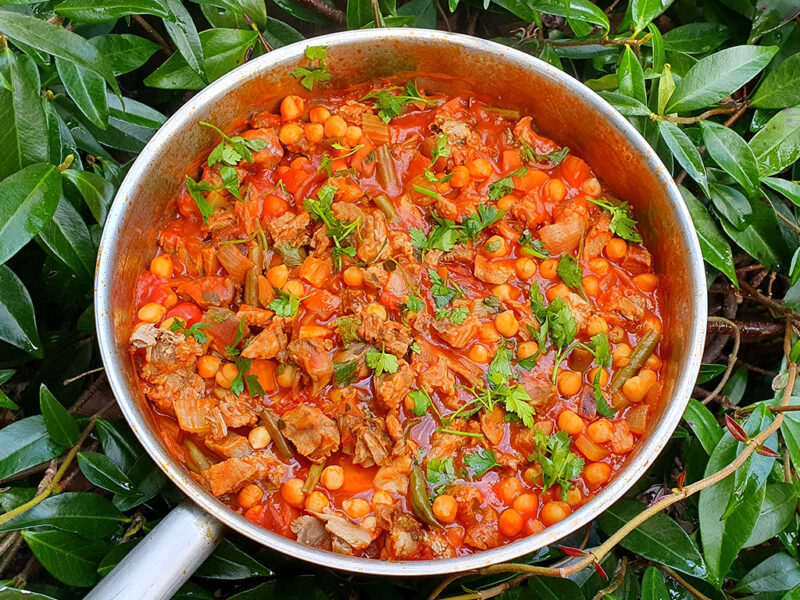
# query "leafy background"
(713, 86)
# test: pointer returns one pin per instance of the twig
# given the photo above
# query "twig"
(376, 14)
(620, 577)
(751, 367)
(329, 11)
(635, 42)
(690, 120)
(748, 329)
(443, 15)
(773, 305)
(82, 375)
(153, 34)
(689, 587)
(788, 221)
(731, 359)
(262, 40)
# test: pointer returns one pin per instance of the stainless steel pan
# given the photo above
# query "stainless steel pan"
(563, 109)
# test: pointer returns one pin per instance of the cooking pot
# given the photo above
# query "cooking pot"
(563, 109)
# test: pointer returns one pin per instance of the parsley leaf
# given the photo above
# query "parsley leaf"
(499, 372)
(570, 271)
(442, 294)
(348, 330)
(284, 305)
(242, 379)
(559, 465)
(481, 461)
(391, 105)
(475, 223)
(415, 348)
(529, 154)
(621, 224)
(599, 346)
(195, 189)
(440, 473)
(455, 315)
(440, 150)
(413, 304)
(537, 302)
(344, 373)
(380, 362)
(444, 236)
(561, 323)
(517, 402)
(504, 186)
(233, 349)
(291, 255)
(319, 73)
(326, 160)
(194, 331)
(531, 246)
(338, 231)
(231, 150)
(422, 401)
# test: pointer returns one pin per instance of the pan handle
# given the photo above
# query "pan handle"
(164, 559)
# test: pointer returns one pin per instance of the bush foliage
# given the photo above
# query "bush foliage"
(713, 85)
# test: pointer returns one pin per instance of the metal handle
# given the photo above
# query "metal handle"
(164, 559)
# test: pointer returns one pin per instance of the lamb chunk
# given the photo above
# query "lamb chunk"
(165, 388)
(598, 236)
(355, 536)
(144, 336)
(493, 271)
(172, 351)
(438, 378)
(353, 301)
(228, 476)
(321, 241)
(462, 252)
(365, 439)
(543, 394)
(524, 130)
(269, 343)
(353, 110)
(493, 425)
(312, 355)
(290, 229)
(194, 414)
(238, 411)
(357, 352)
(372, 229)
(404, 539)
(637, 260)
(391, 389)
(438, 543)
(448, 444)
(209, 291)
(484, 533)
(269, 156)
(265, 120)
(231, 445)
(269, 469)
(457, 132)
(311, 532)
(394, 477)
(446, 208)
(313, 434)
(376, 276)
(625, 304)
(530, 211)
(580, 308)
(401, 248)
(390, 336)
(254, 316)
(468, 500)
(457, 336)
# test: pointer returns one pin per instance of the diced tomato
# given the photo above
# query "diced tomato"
(186, 311)
(322, 303)
(574, 171)
(531, 181)
(293, 179)
(151, 288)
(511, 160)
(274, 206)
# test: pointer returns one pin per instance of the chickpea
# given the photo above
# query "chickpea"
(503, 291)
(553, 512)
(292, 108)
(569, 383)
(278, 276)
(259, 437)
(167, 324)
(570, 422)
(601, 431)
(591, 285)
(596, 473)
(510, 523)
(525, 268)
(314, 132)
(616, 248)
(373, 308)
(332, 477)
(597, 324)
(531, 474)
(460, 177)
(226, 374)
(286, 375)
(171, 299)
(574, 496)
(653, 362)
(162, 266)
(620, 356)
(335, 127)
(353, 135)
(356, 508)
(647, 282)
(508, 489)
(636, 388)
(526, 504)
(353, 277)
(603, 376)
(294, 286)
(548, 268)
(592, 187)
(319, 115)
(506, 202)
(381, 497)
(290, 134)
(152, 312)
(507, 324)
(292, 492)
(555, 190)
(207, 366)
(480, 168)
(559, 290)
(445, 508)
(648, 376)
(488, 334)
(316, 502)
(600, 266)
(495, 246)
(479, 353)
(249, 496)
(527, 349)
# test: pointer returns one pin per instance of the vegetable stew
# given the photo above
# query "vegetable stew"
(396, 322)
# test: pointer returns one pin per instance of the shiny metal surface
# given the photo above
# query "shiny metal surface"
(563, 109)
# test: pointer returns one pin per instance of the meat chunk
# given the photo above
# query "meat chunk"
(354, 536)
(238, 411)
(457, 132)
(389, 336)
(580, 308)
(376, 276)
(254, 316)
(404, 539)
(438, 378)
(166, 388)
(457, 336)
(438, 543)
(311, 532)
(624, 303)
(269, 156)
(194, 414)
(598, 236)
(484, 533)
(493, 271)
(270, 343)
(468, 501)
(401, 248)
(493, 424)
(448, 444)
(231, 445)
(170, 351)
(353, 110)
(543, 394)
(366, 440)
(231, 474)
(313, 434)
(372, 242)
(462, 252)
(312, 355)
(290, 229)
(394, 478)
(391, 388)
(637, 260)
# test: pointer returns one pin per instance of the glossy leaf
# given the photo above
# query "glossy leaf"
(181, 29)
(359, 13)
(17, 319)
(716, 249)
(118, 443)
(135, 113)
(9, 593)
(26, 444)
(579, 10)
(788, 189)
(224, 50)
(60, 424)
(776, 513)
(147, 480)
(552, 588)
(644, 11)
(732, 154)
(703, 425)
(709, 372)
(95, 190)
(659, 539)
(781, 88)
(67, 237)
(300, 11)
(85, 513)
(69, 558)
(259, 592)
(777, 144)
(630, 107)
(790, 431)
(631, 76)
(761, 238)
(231, 562)
(719, 75)
(98, 11)
(731, 204)
(778, 573)
(103, 473)
(696, 38)
(684, 151)
(5, 401)
(653, 587)
(280, 34)
(87, 89)
(771, 14)
(123, 51)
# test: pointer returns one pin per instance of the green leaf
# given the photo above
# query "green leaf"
(719, 75)
(702, 422)
(653, 587)
(67, 237)
(26, 444)
(579, 10)
(16, 496)
(776, 513)
(709, 372)
(87, 89)
(8, 593)
(777, 144)
(60, 424)
(731, 204)
(123, 51)
(789, 189)
(55, 40)
(696, 38)
(17, 319)
(778, 573)
(85, 513)
(231, 562)
(300, 11)
(99, 11)
(147, 480)
(96, 191)
(630, 107)
(280, 34)
(118, 443)
(224, 50)
(69, 558)
(23, 136)
(259, 592)
(781, 87)
(659, 539)
(554, 588)
(761, 238)
(644, 11)
(723, 539)
(359, 13)
(732, 154)
(631, 76)
(771, 14)
(102, 472)
(181, 29)
(28, 200)
(135, 112)
(684, 151)
(790, 431)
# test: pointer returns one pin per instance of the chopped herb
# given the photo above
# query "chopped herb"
(233, 349)
(537, 302)
(621, 224)
(532, 247)
(493, 245)
(196, 189)
(570, 271)
(433, 179)
(292, 255)
(440, 150)
(517, 402)
(242, 379)
(444, 236)
(425, 191)
(348, 330)
(559, 465)
(344, 373)
(391, 105)
(530, 155)
(481, 461)
(422, 401)
(440, 473)
(380, 362)
(338, 231)
(603, 408)
(442, 294)
(455, 315)
(284, 305)
(530, 362)
(326, 160)
(492, 302)
(195, 331)
(499, 372)
(475, 223)
(309, 75)
(504, 186)
(561, 323)
(231, 150)
(599, 346)
(415, 348)
(413, 304)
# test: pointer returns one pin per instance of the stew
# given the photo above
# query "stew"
(398, 323)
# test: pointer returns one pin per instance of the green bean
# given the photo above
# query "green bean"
(197, 458)
(312, 479)
(647, 343)
(386, 206)
(251, 277)
(420, 501)
(386, 172)
(281, 445)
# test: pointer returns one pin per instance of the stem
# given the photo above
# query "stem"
(264, 43)
(620, 577)
(788, 221)
(376, 12)
(636, 42)
(153, 34)
(690, 120)
(689, 587)
(322, 8)
(731, 359)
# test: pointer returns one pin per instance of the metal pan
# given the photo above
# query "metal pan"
(563, 109)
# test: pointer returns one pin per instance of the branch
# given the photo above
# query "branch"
(731, 359)
(156, 37)
(690, 120)
(322, 8)
(748, 329)
(689, 587)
